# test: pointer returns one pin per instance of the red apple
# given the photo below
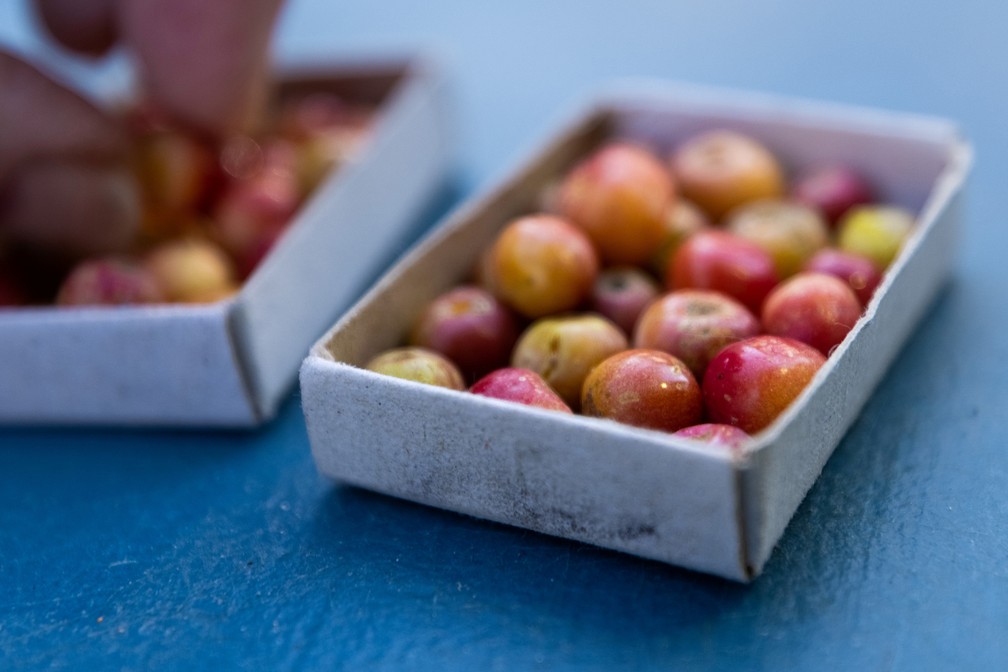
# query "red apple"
(521, 386)
(858, 272)
(645, 388)
(813, 308)
(832, 190)
(620, 196)
(693, 325)
(725, 263)
(469, 326)
(621, 294)
(749, 383)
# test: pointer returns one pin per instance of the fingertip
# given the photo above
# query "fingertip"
(205, 63)
(87, 27)
(39, 119)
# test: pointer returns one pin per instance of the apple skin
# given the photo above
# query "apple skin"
(682, 220)
(192, 270)
(749, 383)
(419, 365)
(619, 195)
(255, 207)
(521, 386)
(469, 326)
(621, 293)
(858, 272)
(720, 170)
(109, 281)
(791, 232)
(564, 349)
(875, 231)
(177, 174)
(813, 308)
(541, 264)
(644, 388)
(693, 325)
(723, 262)
(717, 434)
(832, 190)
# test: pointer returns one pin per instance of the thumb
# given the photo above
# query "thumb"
(205, 63)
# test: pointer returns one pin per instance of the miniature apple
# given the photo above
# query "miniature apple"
(726, 263)
(621, 294)
(791, 232)
(519, 385)
(749, 383)
(645, 388)
(419, 365)
(326, 131)
(832, 190)
(620, 196)
(858, 272)
(252, 214)
(722, 169)
(175, 171)
(541, 264)
(109, 281)
(715, 434)
(469, 326)
(682, 220)
(875, 231)
(693, 325)
(192, 271)
(564, 349)
(813, 308)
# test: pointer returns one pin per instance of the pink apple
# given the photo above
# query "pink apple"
(521, 386)
(749, 383)
(832, 190)
(693, 325)
(621, 294)
(469, 326)
(858, 272)
(813, 308)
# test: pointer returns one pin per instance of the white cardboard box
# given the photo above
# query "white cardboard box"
(231, 362)
(620, 487)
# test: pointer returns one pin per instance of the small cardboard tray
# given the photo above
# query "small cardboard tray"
(620, 487)
(230, 363)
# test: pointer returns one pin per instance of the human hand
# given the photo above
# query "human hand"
(64, 183)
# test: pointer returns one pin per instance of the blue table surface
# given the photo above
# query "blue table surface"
(194, 550)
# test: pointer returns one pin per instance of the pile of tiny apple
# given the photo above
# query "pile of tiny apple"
(209, 210)
(697, 295)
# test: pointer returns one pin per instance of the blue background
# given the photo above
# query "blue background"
(194, 550)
